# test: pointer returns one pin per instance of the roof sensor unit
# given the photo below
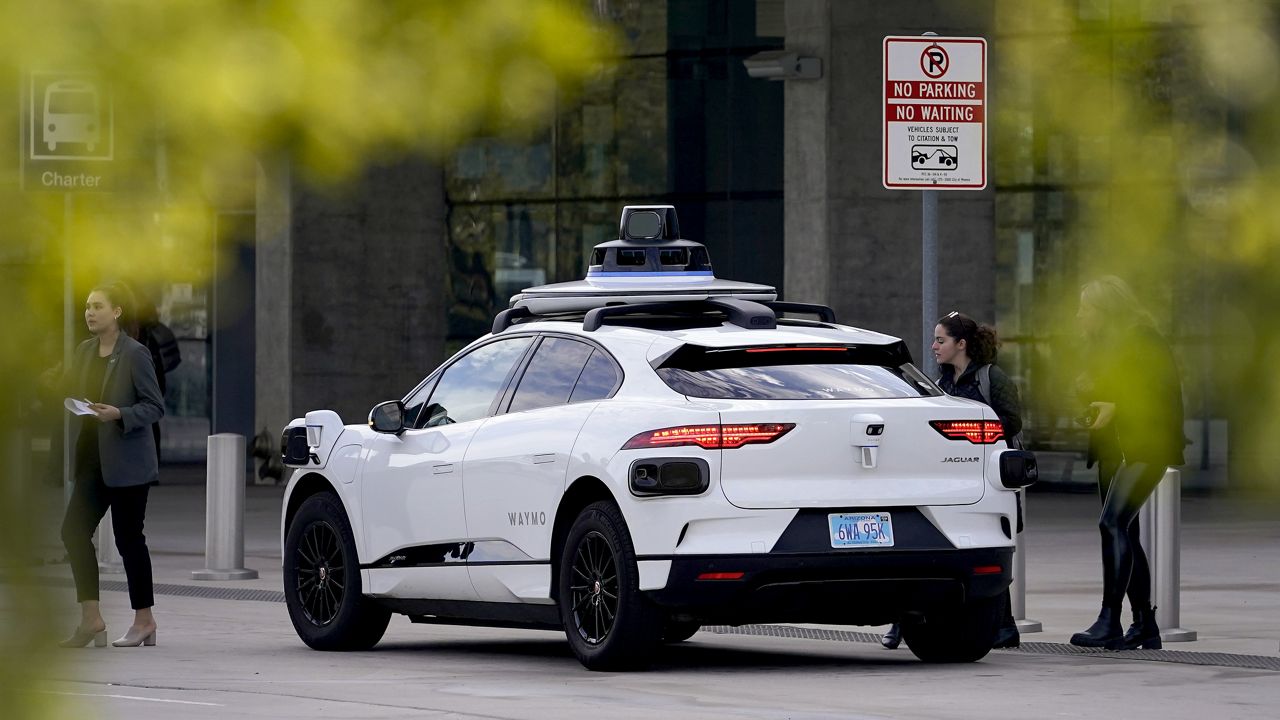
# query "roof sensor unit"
(648, 263)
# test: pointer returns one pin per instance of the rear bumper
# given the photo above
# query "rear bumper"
(804, 579)
(838, 587)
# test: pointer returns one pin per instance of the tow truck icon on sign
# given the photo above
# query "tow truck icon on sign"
(934, 157)
(71, 114)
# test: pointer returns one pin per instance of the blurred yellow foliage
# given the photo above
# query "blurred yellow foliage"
(1160, 117)
(201, 93)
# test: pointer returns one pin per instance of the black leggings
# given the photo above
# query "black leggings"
(1124, 563)
(89, 502)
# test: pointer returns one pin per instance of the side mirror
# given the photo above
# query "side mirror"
(387, 417)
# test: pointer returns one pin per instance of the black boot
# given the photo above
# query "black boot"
(1104, 632)
(1143, 632)
(892, 639)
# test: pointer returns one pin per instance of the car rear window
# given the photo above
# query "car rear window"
(794, 372)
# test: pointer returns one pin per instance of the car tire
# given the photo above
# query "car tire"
(328, 609)
(675, 631)
(955, 635)
(609, 623)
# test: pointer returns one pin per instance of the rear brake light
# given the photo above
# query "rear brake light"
(987, 570)
(796, 349)
(710, 437)
(721, 576)
(978, 432)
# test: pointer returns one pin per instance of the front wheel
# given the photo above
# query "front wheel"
(956, 635)
(609, 623)
(322, 580)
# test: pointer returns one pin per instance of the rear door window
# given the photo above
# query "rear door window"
(794, 373)
(598, 380)
(552, 373)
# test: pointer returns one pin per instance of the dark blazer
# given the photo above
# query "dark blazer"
(1137, 372)
(127, 447)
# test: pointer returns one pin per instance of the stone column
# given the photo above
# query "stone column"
(807, 249)
(273, 314)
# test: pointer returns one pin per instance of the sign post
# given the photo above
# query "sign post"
(935, 138)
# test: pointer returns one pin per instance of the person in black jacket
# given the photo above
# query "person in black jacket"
(1135, 398)
(966, 352)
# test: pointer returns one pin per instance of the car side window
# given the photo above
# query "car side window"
(551, 374)
(468, 387)
(598, 379)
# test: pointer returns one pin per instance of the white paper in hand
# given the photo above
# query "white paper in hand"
(77, 407)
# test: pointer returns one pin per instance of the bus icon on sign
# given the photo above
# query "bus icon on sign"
(934, 157)
(72, 114)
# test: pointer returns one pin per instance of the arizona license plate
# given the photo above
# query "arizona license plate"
(861, 529)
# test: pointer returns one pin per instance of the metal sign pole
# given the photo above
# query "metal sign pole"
(929, 278)
(68, 336)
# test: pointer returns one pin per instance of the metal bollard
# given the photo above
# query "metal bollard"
(224, 511)
(1018, 591)
(1160, 521)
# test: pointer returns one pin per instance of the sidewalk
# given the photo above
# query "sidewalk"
(1230, 559)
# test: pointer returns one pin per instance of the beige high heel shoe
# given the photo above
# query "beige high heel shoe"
(134, 638)
(82, 637)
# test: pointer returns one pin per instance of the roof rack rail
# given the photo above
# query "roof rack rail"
(824, 313)
(743, 313)
(504, 319)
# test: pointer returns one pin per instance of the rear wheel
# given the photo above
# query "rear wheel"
(956, 635)
(322, 580)
(609, 623)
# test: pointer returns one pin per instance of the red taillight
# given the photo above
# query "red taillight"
(978, 432)
(987, 570)
(721, 576)
(710, 437)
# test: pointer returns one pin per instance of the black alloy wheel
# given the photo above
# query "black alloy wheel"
(594, 589)
(319, 573)
(322, 580)
(610, 624)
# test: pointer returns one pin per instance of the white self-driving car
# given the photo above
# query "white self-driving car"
(649, 450)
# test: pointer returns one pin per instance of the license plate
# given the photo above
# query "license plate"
(861, 529)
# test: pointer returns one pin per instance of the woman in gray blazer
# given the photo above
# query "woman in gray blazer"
(115, 463)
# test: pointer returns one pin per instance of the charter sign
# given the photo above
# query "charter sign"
(935, 113)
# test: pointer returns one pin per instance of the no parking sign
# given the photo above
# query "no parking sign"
(935, 109)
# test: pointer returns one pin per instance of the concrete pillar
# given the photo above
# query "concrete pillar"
(273, 367)
(805, 164)
(370, 320)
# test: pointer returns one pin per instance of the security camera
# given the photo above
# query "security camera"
(783, 65)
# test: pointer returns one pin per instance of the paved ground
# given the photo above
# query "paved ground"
(240, 658)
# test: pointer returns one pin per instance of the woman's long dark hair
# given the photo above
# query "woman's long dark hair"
(119, 295)
(980, 340)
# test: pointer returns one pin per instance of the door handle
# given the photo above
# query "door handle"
(544, 458)
(441, 468)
